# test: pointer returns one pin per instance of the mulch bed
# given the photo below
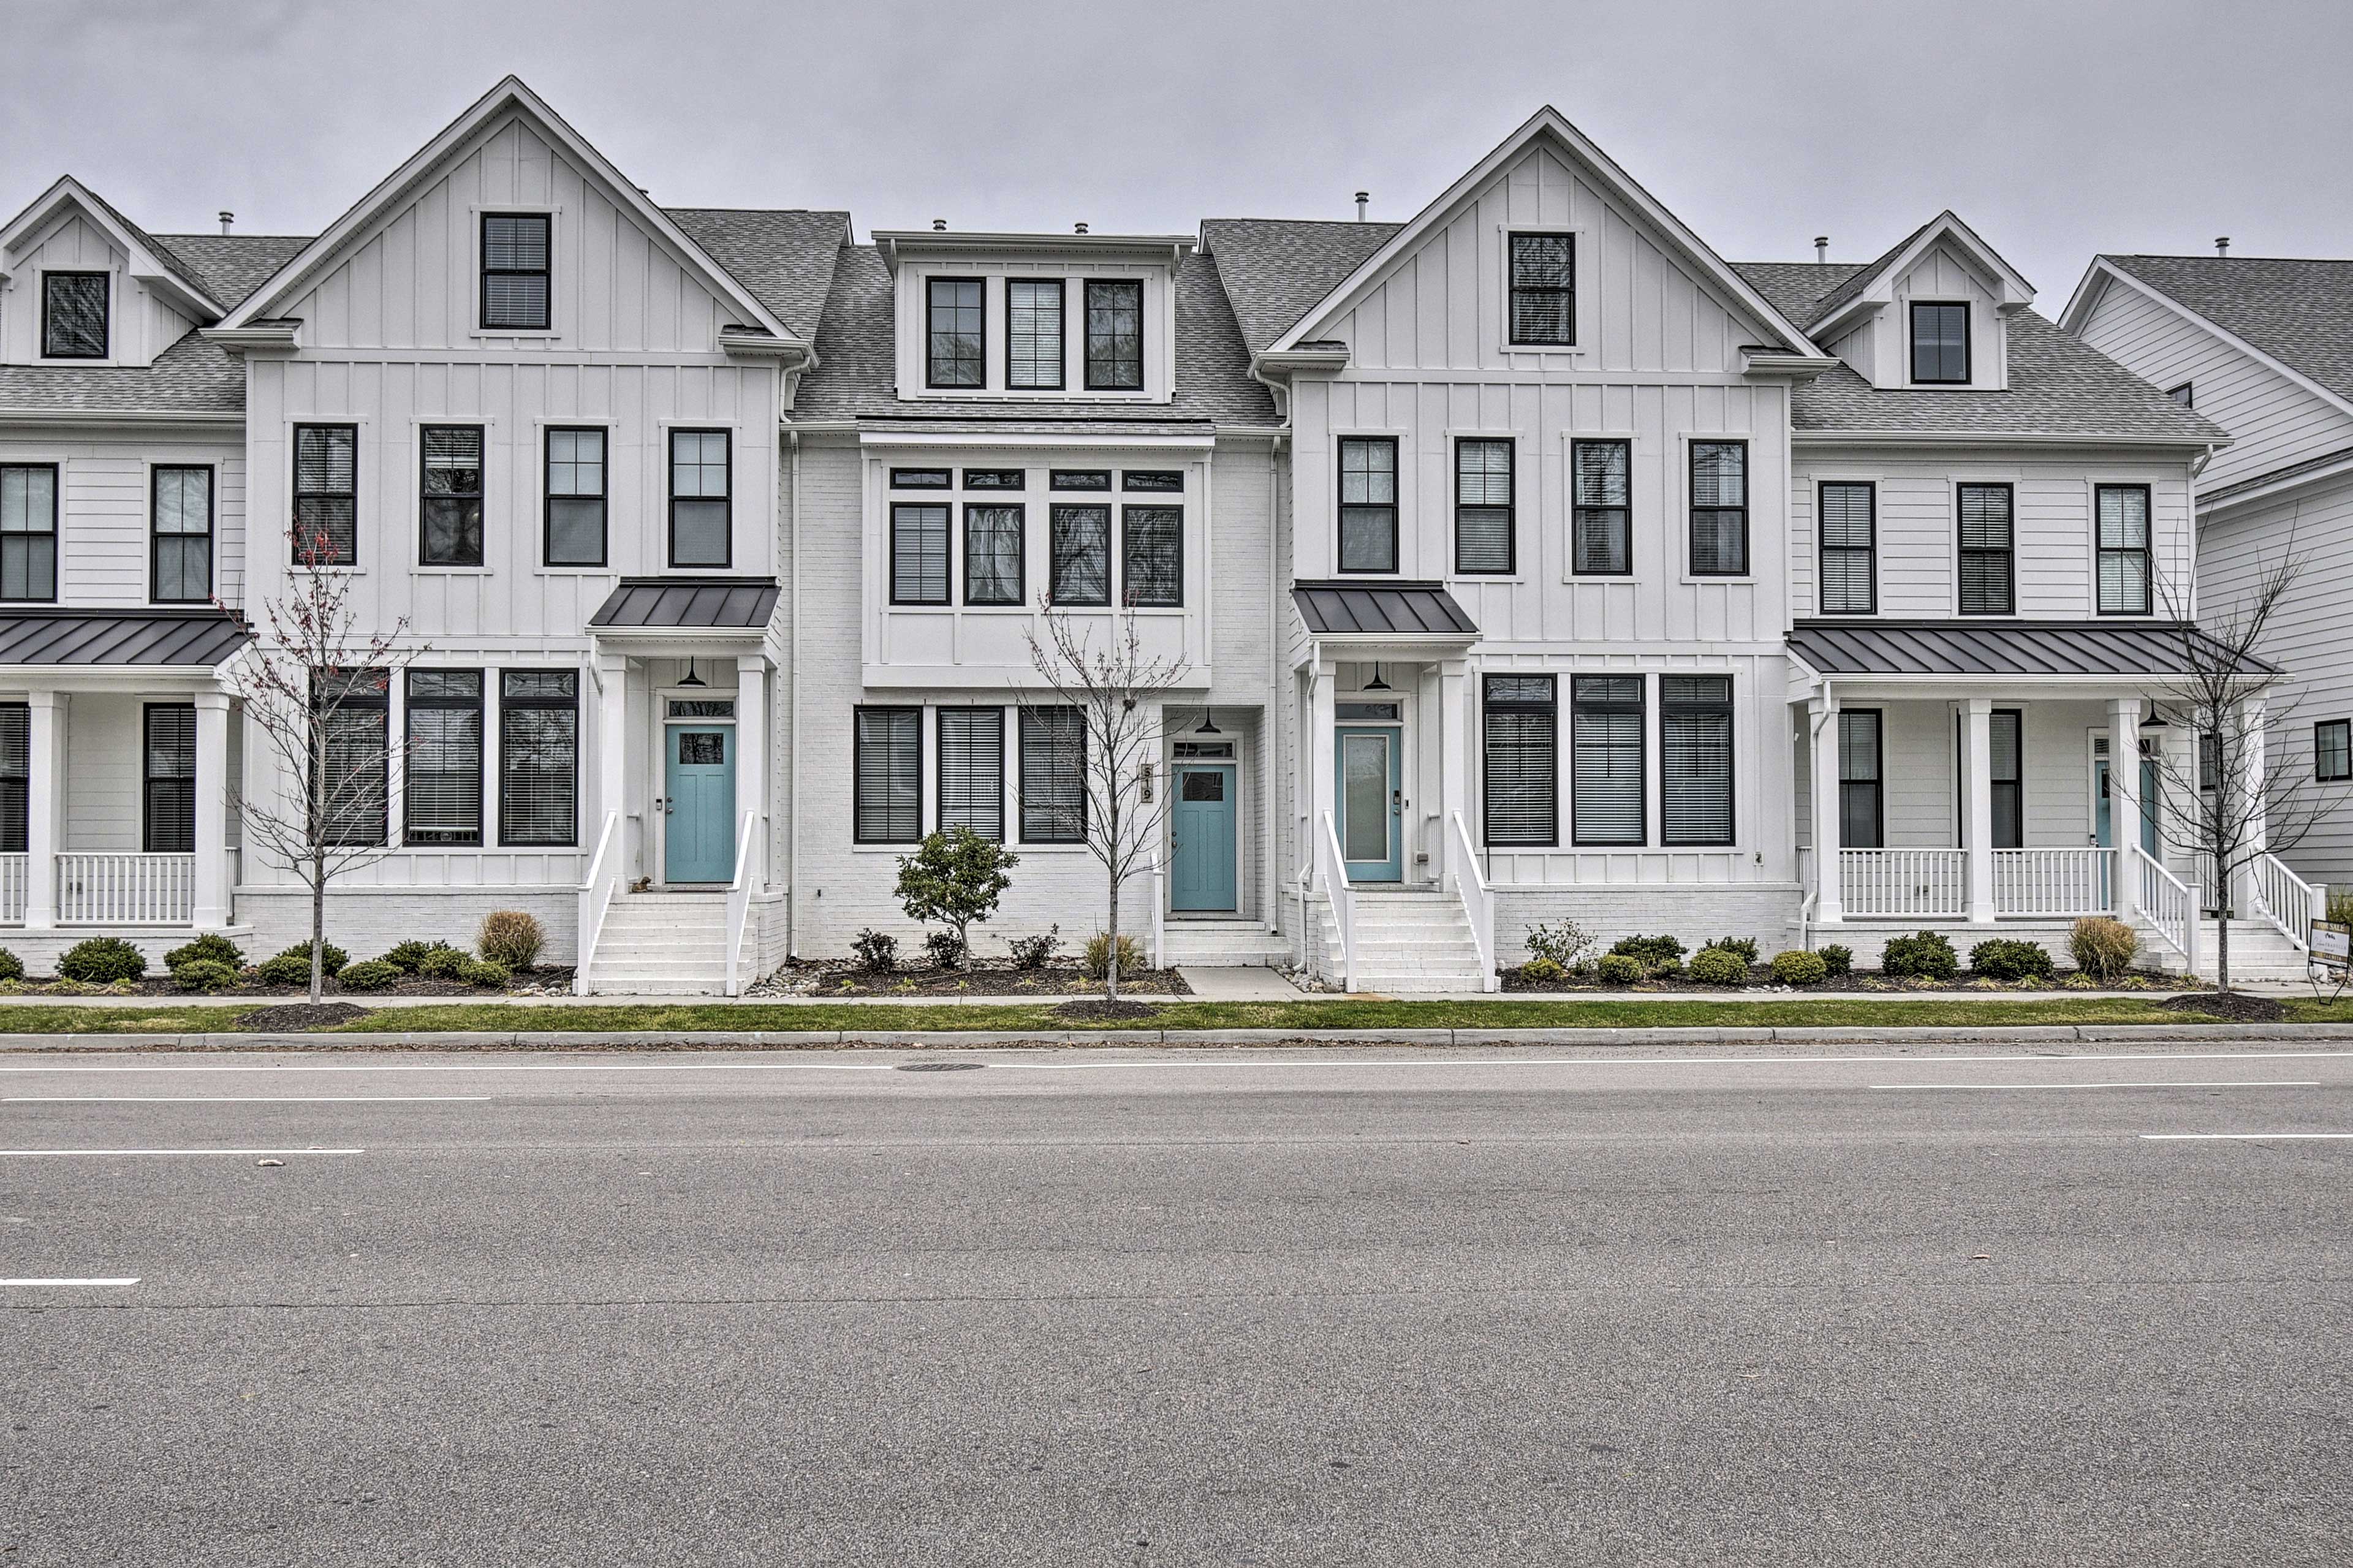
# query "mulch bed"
(1858, 983)
(531, 979)
(832, 978)
(302, 1015)
(2235, 1005)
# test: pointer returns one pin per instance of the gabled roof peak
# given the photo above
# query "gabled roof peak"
(151, 260)
(1874, 282)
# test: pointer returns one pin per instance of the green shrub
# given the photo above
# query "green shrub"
(368, 974)
(877, 952)
(485, 973)
(1618, 968)
(1799, 967)
(11, 966)
(955, 878)
(102, 960)
(1662, 953)
(512, 937)
(409, 956)
(1925, 955)
(336, 958)
(1035, 952)
(203, 974)
(1097, 962)
(1565, 944)
(1744, 948)
(945, 949)
(2340, 907)
(1718, 966)
(443, 963)
(1836, 961)
(2004, 958)
(212, 948)
(286, 969)
(2104, 948)
(1543, 972)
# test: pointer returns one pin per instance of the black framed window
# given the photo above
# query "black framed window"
(972, 770)
(1849, 520)
(992, 554)
(1863, 815)
(701, 482)
(887, 780)
(1484, 530)
(515, 272)
(1601, 532)
(443, 775)
(16, 775)
(168, 779)
(922, 479)
(578, 483)
(919, 553)
(1368, 513)
(1114, 334)
(1606, 766)
(954, 327)
(1080, 479)
(1053, 776)
(1719, 508)
(1157, 480)
(2124, 585)
(2006, 743)
(539, 756)
(450, 502)
(28, 533)
(1544, 288)
(1081, 563)
(74, 314)
(327, 494)
(354, 708)
(1940, 344)
(2210, 760)
(2185, 395)
(1519, 793)
(1151, 554)
(180, 537)
(1695, 758)
(2332, 750)
(1988, 553)
(996, 479)
(1033, 334)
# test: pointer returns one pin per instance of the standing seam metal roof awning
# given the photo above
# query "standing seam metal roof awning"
(179, 639)
(661, 604)
(2006, 647)
(1382, 609)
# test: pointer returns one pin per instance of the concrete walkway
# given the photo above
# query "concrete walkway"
(1241, 984)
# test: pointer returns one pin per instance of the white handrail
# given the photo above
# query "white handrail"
(739, 897)
(1478, 901)
(1332, 870)
(1159, 905)
(595, 897)
(2286, 900)
(2168, 905)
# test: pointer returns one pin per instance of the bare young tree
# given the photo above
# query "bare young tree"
(1100, 735)
(318, 692)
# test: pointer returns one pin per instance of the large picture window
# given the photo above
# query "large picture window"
(701, 481)
(1940, 344)
(1114, 334)
(1519, 760)
(1053, 776)
(1543, 289)
(451, 504)
(1082, 564)
(1719, 508)
(2124, 588)
(1601, 533)
(326, 494)
(888, 775)
(179, 541)
(28, 533)
(919, 553)
(1483, 539)
(539, 756)
(1850, 548)
(1987, 555)
(954, 331)
(1151, 554)
(1033, 334)
(577, 485)
(1606, 772)
(1694, 758)
(16, 775)
(992, 554)
(972, 770)
(1368, 515)
(74, 314)
(443, 798)
(354, 708)
(169, 780)
(515, 295)
(1862, 805)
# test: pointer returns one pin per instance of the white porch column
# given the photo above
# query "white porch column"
(1979, 802)
(2123, 801)
(1453, 760)
(1320, 740)
(612, 751)
(44, 805)
(1822, 714)
(212, 891)
(752, 754)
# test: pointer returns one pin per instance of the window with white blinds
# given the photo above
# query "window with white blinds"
(1151, 554)
(972, 770)
(28, 533)
(1482, 506)
(1606, 772)
(992, 554)
(179, 546)
(1862, 814)
(1695, 758)
(169, 779)
(515, 257)
(1987, 554)
(919, 554)
(354, 708)
(887, 787)
(539, 756)
(1719, 508)
(443, 798)
(2007, 733)
(15, 774)
(1519, 760)
(1081, 563)
(326, 494)
(1368, 492)
(1053, 776)
(1601, 523)
(451, 504)
(1033, 334)
(1544, 288)
(1850, 548)
(2124, 549)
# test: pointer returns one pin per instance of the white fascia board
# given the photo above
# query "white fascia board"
(1973, 439)
(143, 419)
(2015, 293)
(150, 268)
(893, 243)
(1043, 439)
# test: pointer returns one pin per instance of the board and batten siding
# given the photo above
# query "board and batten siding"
(1942, 275)
(139, 325)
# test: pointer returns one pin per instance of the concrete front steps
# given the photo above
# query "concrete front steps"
(1408, 941)
(662, 944)
(2259, 950)
(1221, 943)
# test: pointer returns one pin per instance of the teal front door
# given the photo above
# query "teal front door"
(2103, 828)
(1371, 801)
(699, 805)
(1202, 825)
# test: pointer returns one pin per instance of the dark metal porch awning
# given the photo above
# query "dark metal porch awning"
(2065, 649)
(194, 638)
(1382, 610)
(670, 603)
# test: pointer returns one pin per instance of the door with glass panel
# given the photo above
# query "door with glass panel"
(1201, 827)
(698, 807)
(1371, 801)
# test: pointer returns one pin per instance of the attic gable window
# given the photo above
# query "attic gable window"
(73, 315)
(515, 272)
(1940, 344)
(1544, 288)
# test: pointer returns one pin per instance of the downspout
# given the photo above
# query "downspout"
(793, 724)
(1268, 744)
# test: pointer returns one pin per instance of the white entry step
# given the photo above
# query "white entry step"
(1221, 944)
(1407, 942)
(662, 944)
(2259, 950)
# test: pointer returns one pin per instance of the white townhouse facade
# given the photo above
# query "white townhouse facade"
(1526, 561)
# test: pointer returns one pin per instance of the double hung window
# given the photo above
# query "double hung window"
(972, 770)
(1988, 556)
(1606, 772)
(1543, 289)
(1519, 760)
(1694, 758)
(919, 553)
(1719, 508)
(1601, 521)
(74, 314)
(700, 481)
(443, 801)
(2124, 588)
(578, 486)
(1368, 514)
(1033, 334)
(1482, 506)
(515, 272)
(2006, 738)
(1850, 548)
(886, 786)
(28, 533)
(179, 541)
(451, 501)
(16, 775)
(169, 779)
(353, 709)
(1053, 776)
(1114, 334)
(326, 494)
(539, 756)
(1862, 805)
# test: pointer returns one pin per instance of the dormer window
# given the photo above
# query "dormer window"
(515, 272)
(954, 328)
(1033, 334)
(74, 315)
(1114, 335)
(1940, 344)
(1543, 289)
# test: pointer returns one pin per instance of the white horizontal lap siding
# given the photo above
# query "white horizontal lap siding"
(2057, 766)
(103, 744)
(1916, 770)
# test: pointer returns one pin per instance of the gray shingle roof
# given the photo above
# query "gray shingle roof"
(2006, 647)
(737, 603)
(783, 259)
(2299, 312)
(1397, 609)
(180, 637)
(1278, 269)
(234, 265)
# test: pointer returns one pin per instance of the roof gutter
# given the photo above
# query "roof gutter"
(49, 418)
(1996, 438)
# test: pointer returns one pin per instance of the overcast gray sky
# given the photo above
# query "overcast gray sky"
(2057, 129)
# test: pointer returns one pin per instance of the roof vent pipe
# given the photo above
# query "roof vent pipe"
(1078, 229)
(1821, 248)
(227, 218)
(939, 225)
(2221, 245)
(1363, 199)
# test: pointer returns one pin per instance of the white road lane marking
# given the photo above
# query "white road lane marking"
(18, 1153)
(2148, 1083)
(133, 1279)
(2233, 1137)
(246, 1099)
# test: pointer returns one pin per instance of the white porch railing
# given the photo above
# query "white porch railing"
(2168, 904)
(1903, 883)
(2286, 900)
(739, 897)
(126, 890)
(1478, 900)
(12, 887)
(1331, 872)
(597, 896)
(2064, 882)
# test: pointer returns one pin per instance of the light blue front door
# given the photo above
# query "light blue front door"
(698, 809)
(1371, 801)
(1202, 824)
(2103, 819)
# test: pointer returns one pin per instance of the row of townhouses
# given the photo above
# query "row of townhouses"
(1527, 561)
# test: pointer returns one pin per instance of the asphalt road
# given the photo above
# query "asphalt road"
(1096, 1308)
